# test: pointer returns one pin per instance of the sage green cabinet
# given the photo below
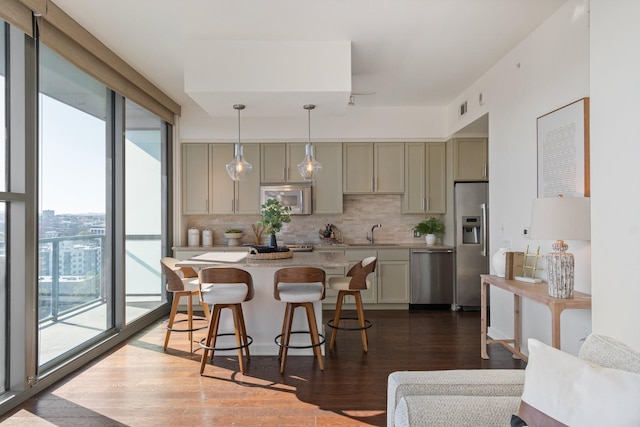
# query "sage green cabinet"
(373, 167)
(470, 159)
(425, 178)
(195, 179)
(327, 188)
(280, 163)
(208, 189)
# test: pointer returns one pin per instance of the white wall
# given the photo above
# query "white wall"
(547, 70)
(615, 150)
(358, 123)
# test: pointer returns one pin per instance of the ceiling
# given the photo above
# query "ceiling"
(404, 53)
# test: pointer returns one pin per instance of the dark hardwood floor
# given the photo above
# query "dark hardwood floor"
(138, 384)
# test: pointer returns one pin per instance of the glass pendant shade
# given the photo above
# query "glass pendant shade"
(238, 168)
(309, 168)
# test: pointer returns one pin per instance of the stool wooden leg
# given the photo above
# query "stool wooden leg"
(243, 332)
(313, 331)
(287, 334)
(212, 333)
(336, 319)
(172, 316)
(360, 310)
(190, 321)
(235, 308)
(283, 333)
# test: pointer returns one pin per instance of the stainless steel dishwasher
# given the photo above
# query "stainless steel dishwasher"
(432, 271)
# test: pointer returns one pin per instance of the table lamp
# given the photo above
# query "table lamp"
(562, 218)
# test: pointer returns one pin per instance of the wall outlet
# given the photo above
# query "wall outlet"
(527, 232)
(416, 233)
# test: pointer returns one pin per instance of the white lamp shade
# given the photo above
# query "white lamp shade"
(561, 218)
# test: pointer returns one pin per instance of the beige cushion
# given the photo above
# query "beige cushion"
(224, 293)
(342, 283)
(561, 389)
(300, 292)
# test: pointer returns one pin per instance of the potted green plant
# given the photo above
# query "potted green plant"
(274, 216)
(234, 235)
(431, 228)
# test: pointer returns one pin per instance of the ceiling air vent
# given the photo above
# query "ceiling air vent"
(463, 108)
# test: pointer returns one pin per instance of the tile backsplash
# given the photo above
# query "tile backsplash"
(360, 213)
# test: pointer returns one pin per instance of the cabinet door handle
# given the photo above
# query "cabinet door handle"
(284, 173)
(428, 204)
(206, 205)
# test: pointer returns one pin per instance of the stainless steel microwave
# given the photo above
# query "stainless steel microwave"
(297, 197)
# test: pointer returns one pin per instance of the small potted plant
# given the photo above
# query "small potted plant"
(431, 228)
(274, 216)
(234, 235)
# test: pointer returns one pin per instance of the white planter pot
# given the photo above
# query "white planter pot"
(430, 238)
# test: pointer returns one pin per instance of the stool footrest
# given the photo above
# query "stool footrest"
(195, 319)
(367, 324)
(249, 342)
(321, 337)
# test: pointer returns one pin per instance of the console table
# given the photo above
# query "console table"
(534, 291)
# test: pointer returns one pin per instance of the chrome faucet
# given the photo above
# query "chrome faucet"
(372, 228)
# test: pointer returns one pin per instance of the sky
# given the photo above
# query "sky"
(72, 159)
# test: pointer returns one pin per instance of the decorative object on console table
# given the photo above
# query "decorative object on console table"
(499, 262)
(274, 216)
(514, 262)
(529, 267)
(431, 228)
(561, 218)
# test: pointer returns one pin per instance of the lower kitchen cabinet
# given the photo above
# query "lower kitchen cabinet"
(389, 283)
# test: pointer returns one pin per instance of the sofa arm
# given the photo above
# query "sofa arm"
(458, 411)
(477, 382)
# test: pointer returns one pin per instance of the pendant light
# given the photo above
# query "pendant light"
(238, 168)
(309, 168)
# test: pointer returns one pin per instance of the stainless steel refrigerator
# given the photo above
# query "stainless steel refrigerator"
(472, 239)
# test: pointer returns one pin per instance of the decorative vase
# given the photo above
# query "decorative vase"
(430, 238)
(499, 262)
(272, 241)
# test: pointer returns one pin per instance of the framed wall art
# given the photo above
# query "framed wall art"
(563, 151)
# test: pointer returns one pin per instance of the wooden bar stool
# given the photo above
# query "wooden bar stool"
(182, 282)
(354, 282)
(299, 287)
(225, 288)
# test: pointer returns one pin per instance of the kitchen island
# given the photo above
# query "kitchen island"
(263, 314)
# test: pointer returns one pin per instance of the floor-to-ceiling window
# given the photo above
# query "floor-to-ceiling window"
(84, 187)
(145, 138)
(3, 188)
(74, 284)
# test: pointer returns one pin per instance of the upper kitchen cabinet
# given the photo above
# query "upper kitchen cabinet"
(373, 167)
(195, 179)
(425, 178)
(470, 159)
(280, 163)
(327, 188)
(208, 189)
